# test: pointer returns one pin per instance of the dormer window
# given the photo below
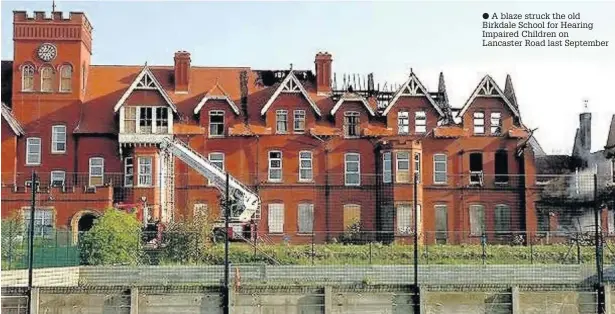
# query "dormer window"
(351, 124)
(403, 122)
(216, 123)
(281, 118)
(27, 78)
(299, 121)
(66, 77)
(479, 122)
(420, 122)
(145, 120)
(162, 120)
(46, 79)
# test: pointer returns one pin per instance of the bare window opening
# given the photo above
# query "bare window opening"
(476, 168)
(145, 120)
(501, 167)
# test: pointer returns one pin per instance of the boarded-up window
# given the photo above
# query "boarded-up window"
(404, 218)
(352, 216)
(386, 167)
(306, 218)
(502, 219)
(27, 77)
(46, 79)
(477, 219)
(402, 175)
(441, 223)
(276, 218)
(66, 77)
(130, 119)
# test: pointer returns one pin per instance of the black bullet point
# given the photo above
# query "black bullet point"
(485, 15)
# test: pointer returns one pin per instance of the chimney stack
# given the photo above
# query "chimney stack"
(585, 133)
(182, 72)
(323, 73)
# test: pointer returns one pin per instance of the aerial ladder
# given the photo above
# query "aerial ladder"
(245, 205)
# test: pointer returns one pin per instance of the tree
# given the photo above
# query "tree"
(114, 239)
(186, 241)
(12, 241)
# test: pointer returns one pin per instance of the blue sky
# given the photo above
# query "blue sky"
(386, 38)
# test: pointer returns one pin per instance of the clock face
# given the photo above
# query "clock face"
(47, 52)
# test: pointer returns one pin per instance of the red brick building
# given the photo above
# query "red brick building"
(320, 156)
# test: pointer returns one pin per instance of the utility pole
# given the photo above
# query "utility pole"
(417, 301)
(598, 242)
(31, 238)
(227, 291)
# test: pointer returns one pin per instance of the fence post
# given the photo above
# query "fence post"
(227, 203)
(483, 242)
(312, 247)
(31, 240)
(598, 240)
(370, 252)
(578, 248)
(10, 253)
(529, 239)
(416, 302)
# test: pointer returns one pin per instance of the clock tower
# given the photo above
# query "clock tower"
(50, 62)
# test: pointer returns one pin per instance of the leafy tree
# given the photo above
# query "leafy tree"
(114, 239)
(12, 241)
(187, 241)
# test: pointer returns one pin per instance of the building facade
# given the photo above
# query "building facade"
(323, 156)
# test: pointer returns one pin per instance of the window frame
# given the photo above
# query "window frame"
(401, 125)
(398, 171)
(27, 72)
(497, 117)
(270, 168)
(44, 78)
(476, 176)
(436, 171)
(348, 117)
(56, 172)
(145, 174)
(297, 119)
(46, 229)
(310, 169)
(420, 122)
(387, 178)
(482, 222)
(409, 228)
(29, 151)
(418, 167)
(217, 113)
(278, 114)
(66, 77)
(142, 122)
(54, 141)
(131, 175)
(438, 234)
(347, 208)
(159, 120)
(358, 172)
(497, 213)
(102, 171)
(478, 116)
(215, 162)
(278, 207)
(306, 206)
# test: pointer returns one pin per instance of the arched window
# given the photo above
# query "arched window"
(66, 77)
(46, 79)
(27, 77)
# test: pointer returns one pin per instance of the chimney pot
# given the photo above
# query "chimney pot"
(323, 73)
(182, 71)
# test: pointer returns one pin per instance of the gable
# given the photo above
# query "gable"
(487, 88)
(290, 85)
(145, 81)
(412, 88)
(216, 93)
(359, 99)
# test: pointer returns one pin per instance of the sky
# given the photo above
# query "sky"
(384, 38)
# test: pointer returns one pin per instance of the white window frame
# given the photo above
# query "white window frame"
(302, 167)
(346, 124)
(57, 175)
(418, 168)
(57, 130)
(275, 221)
(298, 116)
(347, 173)
(278, 115)
(102, 171)
(399, 172)
(43, 214)
(27, 73)
(420, 122)
(404, 221)
(270, 160)
(157, 127)
(309, 207)
(30, 142)
(128, 166)
(436, 171)
(478, 122)
(43, 71)
(66, 76)
(403, 122)
(387, 174)
(151, 126)
(145, 176)
(216, 113)
(496, 123)
(212, 157)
